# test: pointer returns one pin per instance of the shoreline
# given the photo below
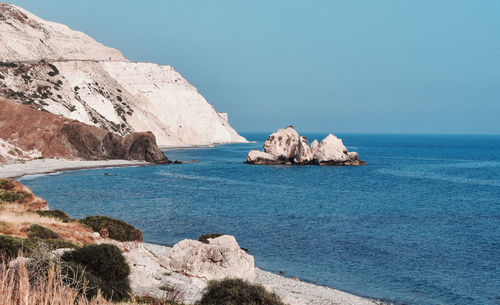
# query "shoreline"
(144, 256)
(292, 291)
(49, 166)
(174, 147)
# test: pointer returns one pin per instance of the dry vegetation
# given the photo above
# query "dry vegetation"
(17, 288)
(21, 212)
(17, 216)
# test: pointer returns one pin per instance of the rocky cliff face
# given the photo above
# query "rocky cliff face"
(49, 135)
(53, 68)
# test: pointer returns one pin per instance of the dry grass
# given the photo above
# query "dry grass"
(15, 220)
(30, 202)
(16, 289)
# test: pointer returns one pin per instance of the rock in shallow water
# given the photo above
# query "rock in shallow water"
(286, 146)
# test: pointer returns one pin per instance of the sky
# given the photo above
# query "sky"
(350, 66)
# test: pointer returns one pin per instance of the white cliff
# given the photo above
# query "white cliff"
(53, 68)
(26, 37)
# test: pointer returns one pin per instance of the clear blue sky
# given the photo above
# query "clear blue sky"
(422, 66)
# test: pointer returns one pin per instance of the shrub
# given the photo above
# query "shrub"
(17, 287)
(6, 184)
(237, 292)
(204, 238)
(10, 246)
(86, 282)
(104, 267)
(118, 229)
(11, 196)
(54, 214)
(38, 231)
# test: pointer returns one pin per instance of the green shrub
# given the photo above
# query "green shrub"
(38, 231)
(118, 229)
(204, 238)
(54, 214)
(237, 292)
(104, 267)
(6, 184)
(11, 196)
(10, 246)
(71, 271)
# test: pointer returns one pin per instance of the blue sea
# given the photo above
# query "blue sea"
(420, 224)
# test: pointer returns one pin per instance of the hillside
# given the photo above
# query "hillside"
(52, 68)
(27, 132)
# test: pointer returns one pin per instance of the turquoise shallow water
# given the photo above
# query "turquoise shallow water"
(420, 224)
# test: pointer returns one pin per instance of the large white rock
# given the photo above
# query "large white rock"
(84, 80)
(331, 149)
(259, 157)
(220, 258)
(303, 153)
(286, 146)
(315, 148)
(283, 143)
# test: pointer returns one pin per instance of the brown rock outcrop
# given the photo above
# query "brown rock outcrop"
(59, 137)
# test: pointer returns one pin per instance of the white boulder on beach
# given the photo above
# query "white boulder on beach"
(286, 146)
(220, 258)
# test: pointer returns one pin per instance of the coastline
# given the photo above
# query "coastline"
(144, 256)
(292, 291)
(47, 166)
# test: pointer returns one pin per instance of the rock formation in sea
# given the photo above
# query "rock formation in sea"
(31, 132)
(50, 67)
(286, 146)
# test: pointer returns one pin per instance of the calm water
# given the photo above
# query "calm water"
(419, 225)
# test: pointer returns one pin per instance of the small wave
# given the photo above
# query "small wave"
(36, 176)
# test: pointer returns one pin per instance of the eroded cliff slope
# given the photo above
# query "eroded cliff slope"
(52, 68)
(30, 131)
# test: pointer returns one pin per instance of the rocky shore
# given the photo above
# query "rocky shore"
(149, 272)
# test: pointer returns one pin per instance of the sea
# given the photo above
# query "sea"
(420, 224)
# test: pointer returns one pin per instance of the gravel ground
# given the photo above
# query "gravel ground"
(292, 291)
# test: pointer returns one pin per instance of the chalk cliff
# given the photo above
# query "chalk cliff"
(52, 68)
